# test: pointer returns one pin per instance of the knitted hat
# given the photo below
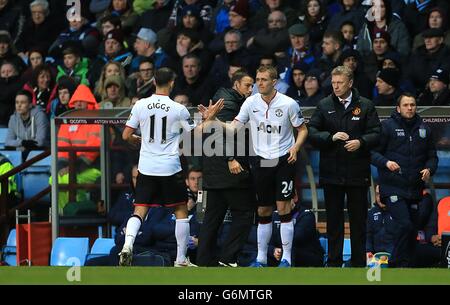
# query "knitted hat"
(241, 8)
(384, 35)
(390, 76)
(115, 34)
(191, 10)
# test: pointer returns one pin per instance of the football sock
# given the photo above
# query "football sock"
(182, 232)
(133, 226)
(287, 235)
(264, 233)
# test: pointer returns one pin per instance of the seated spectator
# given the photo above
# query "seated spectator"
(387, 85)
(315, 19)
(198, 87)
(269, 6)
(10, 83)
(141, 84)
(109, 69)
(145, 46)
(416, 12)
(39, 30)
(36, 57)
(79, 31)
(312, 89)
(188, 43)
(219, 19)
(234, 52)
(332, 47)
(5, 167)
(392, 60)
(182, 99)
(427, 253)
(28, 127)
(348, 32)
(272, 38)
(114, 51)
(437, 92)
(123, 9)
(238, 19)
(381, 228)
(203, 6)
(384, 21)
(380, 47)
(352, 59)
(11, 19)
(351, 10)
(124, 205)
(437, 19)
(300, 50)
(190, 19)
(7, 53)
(157, 17)
(296, 88)
(425, 60)
(115, 94)
(42, 87)
(74, 65)
(66, 88)
(109, 23)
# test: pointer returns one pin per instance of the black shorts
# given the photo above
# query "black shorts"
(154, 191)
(273, 182)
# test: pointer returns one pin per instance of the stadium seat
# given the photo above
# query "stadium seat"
(9, 250)
(36, 176)
(347, 252)
(101, 247)
(3, 133)
(69, 251)
(324, 244)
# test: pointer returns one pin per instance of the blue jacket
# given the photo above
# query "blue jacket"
(411, 146)
(381, 230)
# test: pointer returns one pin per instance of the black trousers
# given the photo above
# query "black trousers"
(241, 203)
(357, 212)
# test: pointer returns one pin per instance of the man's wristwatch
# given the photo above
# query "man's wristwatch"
(229, 159)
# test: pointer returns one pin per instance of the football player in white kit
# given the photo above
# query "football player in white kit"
(273, 117)
(160, 181)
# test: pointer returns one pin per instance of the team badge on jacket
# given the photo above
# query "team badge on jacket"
(356, 111)
(422, 133)
(279, 112)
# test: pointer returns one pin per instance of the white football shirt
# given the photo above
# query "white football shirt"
(271, 124)
(161, 121)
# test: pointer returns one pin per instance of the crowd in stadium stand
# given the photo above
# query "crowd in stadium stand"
(103, 55)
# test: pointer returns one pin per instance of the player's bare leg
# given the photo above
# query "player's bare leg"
(182, 232)
(133, 226)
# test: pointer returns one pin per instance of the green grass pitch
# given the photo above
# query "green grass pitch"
(219, 276)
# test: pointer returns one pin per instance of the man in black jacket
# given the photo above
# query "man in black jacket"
(405, 158)
(226, 179)
(345, 127)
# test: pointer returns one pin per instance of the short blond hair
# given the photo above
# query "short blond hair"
(272, 71)
(343, 70)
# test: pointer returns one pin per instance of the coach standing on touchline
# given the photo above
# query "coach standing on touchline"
(345, 127)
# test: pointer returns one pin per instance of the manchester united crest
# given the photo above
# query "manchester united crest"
(279, 112)
(356, 111)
